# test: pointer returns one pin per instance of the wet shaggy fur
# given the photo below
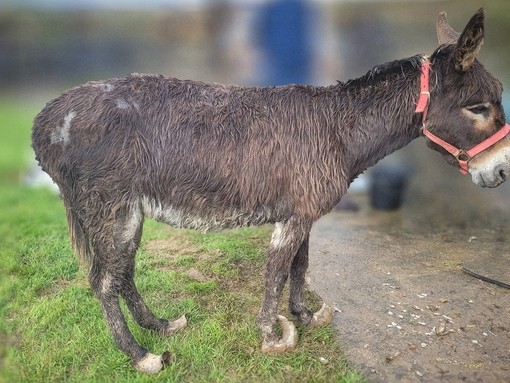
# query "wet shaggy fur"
(211, 156)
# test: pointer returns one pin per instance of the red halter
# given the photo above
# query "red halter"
(462, 156)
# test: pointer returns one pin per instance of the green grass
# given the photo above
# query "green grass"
(51, 326)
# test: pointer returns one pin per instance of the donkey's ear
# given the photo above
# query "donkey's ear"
(445, 33)
(470, 42)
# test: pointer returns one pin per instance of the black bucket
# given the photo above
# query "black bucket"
(387, 187)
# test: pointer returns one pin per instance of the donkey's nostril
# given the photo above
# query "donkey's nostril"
(502, 175)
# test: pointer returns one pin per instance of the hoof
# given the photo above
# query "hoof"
(175, 326)
(323, 316)
(287, 342)
(153, 364)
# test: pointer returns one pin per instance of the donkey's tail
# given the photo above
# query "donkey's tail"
(79, 237)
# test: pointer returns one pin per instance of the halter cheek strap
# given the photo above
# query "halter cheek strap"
(462, 156)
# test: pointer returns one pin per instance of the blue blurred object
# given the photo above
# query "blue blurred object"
(284, 35)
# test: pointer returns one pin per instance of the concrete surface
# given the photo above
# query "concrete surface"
(407, 311)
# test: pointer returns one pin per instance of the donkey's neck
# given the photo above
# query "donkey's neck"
(380, 110)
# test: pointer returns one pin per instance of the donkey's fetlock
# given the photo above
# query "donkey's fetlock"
(303, 316)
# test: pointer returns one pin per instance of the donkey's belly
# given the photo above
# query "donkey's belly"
(206, 219)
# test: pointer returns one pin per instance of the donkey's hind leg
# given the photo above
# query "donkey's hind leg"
(106, 275)
(114, 251)
(297, 292)
(141, 313)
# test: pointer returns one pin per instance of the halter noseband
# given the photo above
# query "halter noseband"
(462, 156)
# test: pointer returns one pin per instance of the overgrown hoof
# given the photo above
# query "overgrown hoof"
(322, 317)
(175, 326)
(287, 342)
(152, 364)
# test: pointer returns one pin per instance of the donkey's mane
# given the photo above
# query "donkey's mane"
(387, 70)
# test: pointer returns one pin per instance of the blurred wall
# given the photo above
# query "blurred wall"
(217, 42)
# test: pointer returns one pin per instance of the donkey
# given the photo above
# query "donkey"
(211, 156)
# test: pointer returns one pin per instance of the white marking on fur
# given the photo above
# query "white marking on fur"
(133, 223)
(485, 171)
(108, 87)
(126, 104)
(106, 283)
(62, 132)
(103, 86)
(278, 238)
(227, 218)
(122, 104)
(167, 214)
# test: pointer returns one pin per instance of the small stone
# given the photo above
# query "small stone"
(323, 360)
(441, 329)
(392, 356)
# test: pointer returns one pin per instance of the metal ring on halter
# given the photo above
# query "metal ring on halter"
(462, 155)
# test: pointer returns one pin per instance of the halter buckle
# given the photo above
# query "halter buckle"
(462, 156)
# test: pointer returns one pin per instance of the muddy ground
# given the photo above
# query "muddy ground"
(407, 311)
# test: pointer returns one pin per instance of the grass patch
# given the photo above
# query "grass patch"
(51, 325)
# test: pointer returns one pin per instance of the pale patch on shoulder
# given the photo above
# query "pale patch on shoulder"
(61, 133)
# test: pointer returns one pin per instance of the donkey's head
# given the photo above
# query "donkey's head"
(465, 119)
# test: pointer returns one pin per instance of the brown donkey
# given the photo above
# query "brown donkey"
(210, 156)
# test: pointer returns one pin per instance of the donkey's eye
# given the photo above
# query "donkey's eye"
(479, 109)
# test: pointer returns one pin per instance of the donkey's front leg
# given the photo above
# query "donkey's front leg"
(297, 292)
(285, 241)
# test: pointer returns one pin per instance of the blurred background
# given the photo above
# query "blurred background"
(47, 46)
(57, 43)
